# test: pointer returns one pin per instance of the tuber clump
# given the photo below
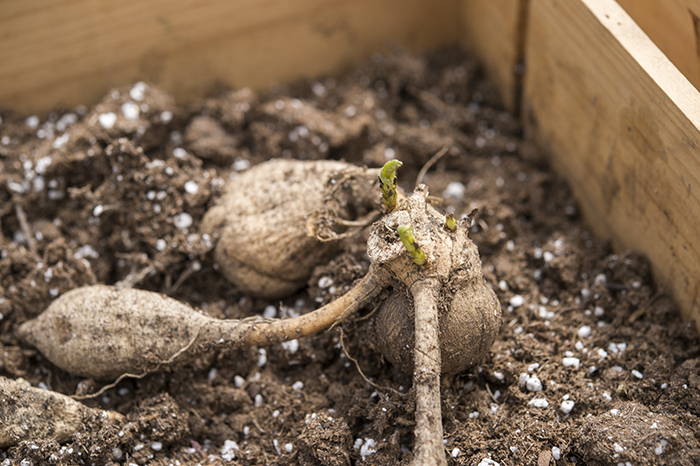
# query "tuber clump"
(281, 218)
(469, 311)
(28, 413)
(102, 332)
(440, 317)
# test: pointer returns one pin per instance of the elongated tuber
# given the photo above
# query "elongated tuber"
(280, 219)
(28, 413)
(102, 332)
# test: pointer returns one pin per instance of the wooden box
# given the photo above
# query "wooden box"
(619, 118)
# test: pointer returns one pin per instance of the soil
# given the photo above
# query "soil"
(593, 364)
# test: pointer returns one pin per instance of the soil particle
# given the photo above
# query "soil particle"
(117, 193)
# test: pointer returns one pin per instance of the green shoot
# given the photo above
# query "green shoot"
(450, 221)
(387, 181)
(409, 242)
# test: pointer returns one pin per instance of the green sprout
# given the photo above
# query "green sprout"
(387, 180)
(409, 242)
(450, 221)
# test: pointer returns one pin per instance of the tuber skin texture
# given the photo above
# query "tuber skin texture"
(467, 329)
(104, 333)
(28, 413)
(281, 218)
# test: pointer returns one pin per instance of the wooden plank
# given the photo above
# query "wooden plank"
(73, 51)
(623, 125)
(493, 32)
(674, 25)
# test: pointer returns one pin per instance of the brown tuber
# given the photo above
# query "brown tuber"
(469, 323)
(28, 413)
(469, 312)
(281, 218)
(439, 293)
(102, 332)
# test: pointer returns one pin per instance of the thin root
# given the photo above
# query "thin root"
(170, 360)
(357, 365)
(642, 310)
(24, 225)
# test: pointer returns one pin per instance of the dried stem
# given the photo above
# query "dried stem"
(277, 331)
(424, 170)
(428, 449)
(26, 231)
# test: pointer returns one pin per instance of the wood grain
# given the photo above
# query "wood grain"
(493, 32)
(623, 125)
(70, 52)
(674, 25)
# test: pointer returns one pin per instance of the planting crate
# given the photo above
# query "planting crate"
(130, 133)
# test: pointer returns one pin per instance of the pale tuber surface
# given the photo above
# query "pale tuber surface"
(281, 218)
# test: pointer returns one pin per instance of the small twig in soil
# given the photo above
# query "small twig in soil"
(131, 279)
(437, 105)
(488, 389)
(193, 268)
(642, 310)
(257, 424)
(430, 163)
(157, 264)
(24, 225)
(568, 309)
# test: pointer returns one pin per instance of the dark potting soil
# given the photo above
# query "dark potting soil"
(593, 364)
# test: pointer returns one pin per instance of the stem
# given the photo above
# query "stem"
(428, 448)
(270, 333)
